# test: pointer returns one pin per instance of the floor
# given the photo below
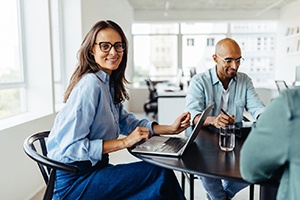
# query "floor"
(199, 194)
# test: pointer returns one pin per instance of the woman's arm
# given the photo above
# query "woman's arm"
(139, 133)
(180, 124)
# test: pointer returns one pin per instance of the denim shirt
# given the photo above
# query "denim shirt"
(88, 118)
(206, 88)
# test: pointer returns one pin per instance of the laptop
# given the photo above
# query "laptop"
(171, 146)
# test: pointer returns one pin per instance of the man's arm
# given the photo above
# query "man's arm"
(195, 98)
(253, 104)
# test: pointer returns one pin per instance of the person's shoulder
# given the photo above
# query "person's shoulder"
(203, 75)
(90, 78)
(243, 77)
(294, 91)
(242, 74)
(292, 95)
(89, 81)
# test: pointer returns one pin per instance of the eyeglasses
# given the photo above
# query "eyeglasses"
(106, 46)
(238, 61)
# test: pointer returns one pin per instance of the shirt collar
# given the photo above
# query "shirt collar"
(103, 76)
(215, 78)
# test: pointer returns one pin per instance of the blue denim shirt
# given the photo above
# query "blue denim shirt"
(88, 118)
(206, 88)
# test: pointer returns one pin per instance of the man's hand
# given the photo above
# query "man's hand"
(222, 120)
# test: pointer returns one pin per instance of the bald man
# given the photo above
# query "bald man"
(230, 90)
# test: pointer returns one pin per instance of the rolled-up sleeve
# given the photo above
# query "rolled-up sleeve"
(253, 104)
(195, 98)
(128, 122)
(69, 139)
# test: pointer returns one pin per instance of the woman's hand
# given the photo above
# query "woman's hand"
(139, 133)
(180, 124)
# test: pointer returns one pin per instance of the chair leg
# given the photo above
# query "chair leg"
(251, 192)
(190, 179)
(182, 182)
(191, 186)
(50, 185)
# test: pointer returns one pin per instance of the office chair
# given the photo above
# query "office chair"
(281, 85)
(151, 105)
(35, 147)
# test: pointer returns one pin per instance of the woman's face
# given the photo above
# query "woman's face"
(108, 58)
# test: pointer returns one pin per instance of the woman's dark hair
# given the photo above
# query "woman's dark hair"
(87, 64)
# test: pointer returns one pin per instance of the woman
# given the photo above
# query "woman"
(88, 126)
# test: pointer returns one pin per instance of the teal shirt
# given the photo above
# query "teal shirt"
(206, 88)
(273, 143)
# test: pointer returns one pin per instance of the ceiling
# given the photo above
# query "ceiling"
(202, 5)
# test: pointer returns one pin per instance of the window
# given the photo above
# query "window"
(164, 50)
(155, 51)
(30, 50)
(210, 42)
(190, 42)
(257, 41)
(199, 56)
(58, 72)
(12, 86)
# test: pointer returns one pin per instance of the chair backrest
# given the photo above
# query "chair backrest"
(35, 147)
(281, 85)
(152, 90)
(150, 85)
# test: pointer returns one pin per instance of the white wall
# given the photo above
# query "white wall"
(119, 11)
(71, 35)
(20, 177)
(286, 63)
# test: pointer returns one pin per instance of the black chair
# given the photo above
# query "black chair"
(151, 106)
(35, 147)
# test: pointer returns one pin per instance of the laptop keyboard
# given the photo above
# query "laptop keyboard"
(172, 145)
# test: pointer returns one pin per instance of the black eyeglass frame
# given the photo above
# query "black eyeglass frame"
(123, 45)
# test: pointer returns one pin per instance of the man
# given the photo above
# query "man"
(230, 90)
(279, 138)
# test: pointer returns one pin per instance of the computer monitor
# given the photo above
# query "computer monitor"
(297, 75)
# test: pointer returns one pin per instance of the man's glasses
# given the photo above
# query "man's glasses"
(106, 46)
(238, 61)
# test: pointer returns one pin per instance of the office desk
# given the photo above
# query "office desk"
(170, 102)
(203, 158)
